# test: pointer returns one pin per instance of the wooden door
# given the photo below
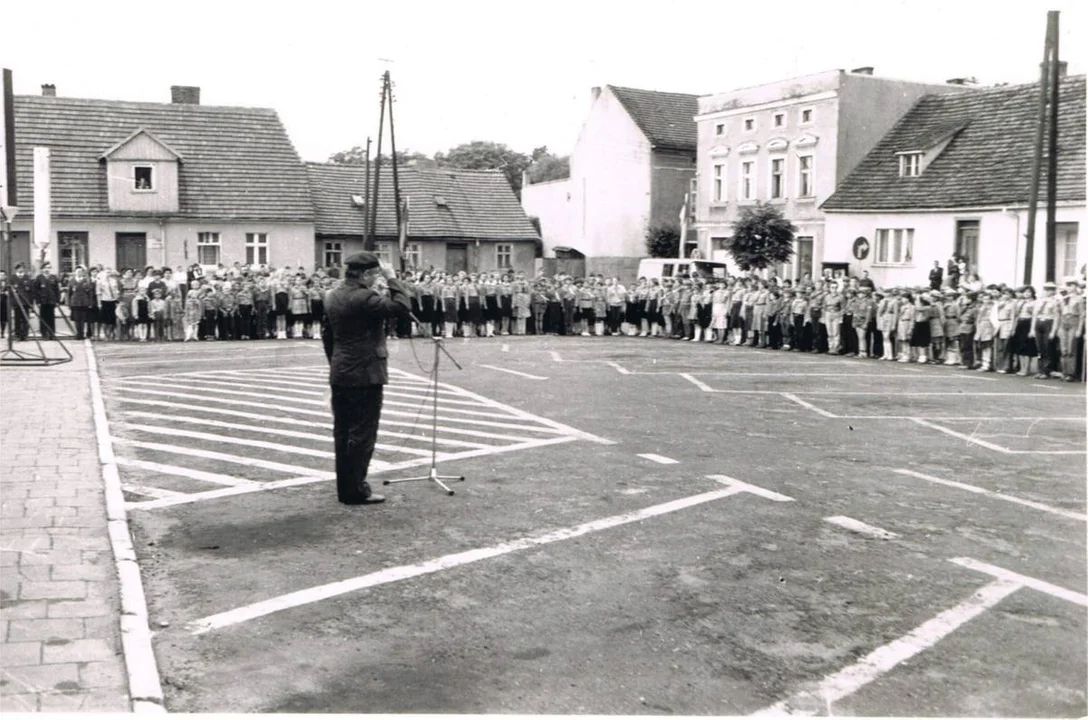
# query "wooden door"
(456, 259)
(131, 251)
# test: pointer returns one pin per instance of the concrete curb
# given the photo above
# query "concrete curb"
(145, 688)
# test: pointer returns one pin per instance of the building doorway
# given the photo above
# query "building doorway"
(20, 250)
(71, 250)
(456, 259)
(967, 243)
(131, 251)
(804, 256)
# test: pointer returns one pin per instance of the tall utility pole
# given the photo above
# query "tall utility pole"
(377, 175)
(1052, 158)
(366, 196)
(388, 87)
(387, 98)
(1037, 160)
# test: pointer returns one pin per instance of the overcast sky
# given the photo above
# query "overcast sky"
(512, 72)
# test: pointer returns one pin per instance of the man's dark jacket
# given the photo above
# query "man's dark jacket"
(353, 332)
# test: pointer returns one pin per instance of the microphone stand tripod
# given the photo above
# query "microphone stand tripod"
(433, 475)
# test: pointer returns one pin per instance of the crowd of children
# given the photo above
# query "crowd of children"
(992, 328)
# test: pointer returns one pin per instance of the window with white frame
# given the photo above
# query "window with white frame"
(143, 178)
(778, 178)
(804, 176)
(384, 251)
(413, 256)
(256, 248)
(1067, 242)
(806, 116)
(910, 164)
(207, 248)
(779, 120)
(719, 183)
(719, 129)
(749, 124)
(504, 256)
(894, 246)
(334, 253)
(747, 180)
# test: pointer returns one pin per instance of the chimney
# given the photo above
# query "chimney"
(866, 70)
(594, 92)
(49, 90)
(184, 95)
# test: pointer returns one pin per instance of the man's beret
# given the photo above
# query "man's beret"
(362, 260)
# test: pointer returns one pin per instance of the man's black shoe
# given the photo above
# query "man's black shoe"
(371, 500)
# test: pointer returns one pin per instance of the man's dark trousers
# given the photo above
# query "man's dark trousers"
(355, 412)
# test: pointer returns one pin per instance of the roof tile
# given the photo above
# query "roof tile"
(667, 119)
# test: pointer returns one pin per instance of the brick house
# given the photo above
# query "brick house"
(161, 183)
(457, 219)
(953, 176)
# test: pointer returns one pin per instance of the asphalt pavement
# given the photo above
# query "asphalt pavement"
(645, 527)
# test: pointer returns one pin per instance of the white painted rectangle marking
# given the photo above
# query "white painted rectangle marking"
(151, 492)
(697, 383)
(230, 440)
(226, 457)
(191, 473)
(854, 677)
(999, 496)
(1029, 582)
(381, 577)
(514, 372)
(658, 459)
(859, 527)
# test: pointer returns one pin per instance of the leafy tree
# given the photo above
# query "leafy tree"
(357, 156)
(549, 167)
(762, 237)
(663, 241)
(481, 155)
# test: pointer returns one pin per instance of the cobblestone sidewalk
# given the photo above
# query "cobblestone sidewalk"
(60, 638)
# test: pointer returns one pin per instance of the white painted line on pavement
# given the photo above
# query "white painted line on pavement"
(486, 423)
(230, 440)
(375, 468)
(854, 677)
(810, 406)
(1048, 387)
(206, 398)
(256, 384)
(445, 407)
(993, 446)
(226, 457)
(425, 424)
(191, 473)
(264, 417)
(388, 575)
(659, 459)
(555, 356)
(428, 398)
(514, 372)
(1030, 582)
(151, 492)
(141, 669)
(199, 386)
(999, 496)
(754, 489)
(175, 359)
(622, 370)
(859, 527)
(697, 383)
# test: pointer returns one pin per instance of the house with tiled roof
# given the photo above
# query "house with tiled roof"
(458, 220)
(137, 183)
(788, 144)
(630, 169)
(954, 177)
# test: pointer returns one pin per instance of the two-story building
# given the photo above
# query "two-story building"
(458, 220)
(790, 144)
(630, 169)
(954, 177)
(135, 184)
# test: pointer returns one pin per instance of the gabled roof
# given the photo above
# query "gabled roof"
(667, 119)
(238, 162)
(986, 163)
(479, 204)
(139, 131)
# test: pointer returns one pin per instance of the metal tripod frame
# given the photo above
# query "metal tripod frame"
(433, 475)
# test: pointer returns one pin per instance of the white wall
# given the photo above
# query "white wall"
(610, 183)
(551, 202)
(1002, 247)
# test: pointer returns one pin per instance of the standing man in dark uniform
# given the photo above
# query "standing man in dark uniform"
(47, 288)
(23, 287)
(353, 333)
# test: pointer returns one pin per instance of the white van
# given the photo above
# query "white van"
(657, 268)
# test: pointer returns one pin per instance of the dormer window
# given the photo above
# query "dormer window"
(143, 178)
(910, 164)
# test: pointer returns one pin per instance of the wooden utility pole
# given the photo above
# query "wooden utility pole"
(1037, 160)
(366, 196)
(1052, 150)
(388, 89)
(377, 175)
